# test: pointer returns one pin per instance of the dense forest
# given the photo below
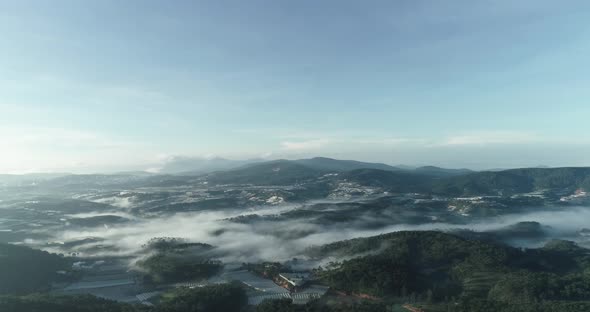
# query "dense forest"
(461, 306)
(175, 260)
(435, 267)
(225, 297)
(54, 303)
(24, 270)
(313, 306)
(434, 270)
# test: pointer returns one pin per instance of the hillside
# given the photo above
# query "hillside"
(279, 172)
(283, 172)
(441, 172)
(434, 266)
(197, 166)
(25, 270)
(330, 164)
(435, 180)
(515, 181)
(399, 182)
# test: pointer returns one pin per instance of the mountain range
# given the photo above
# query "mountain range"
(428, 179)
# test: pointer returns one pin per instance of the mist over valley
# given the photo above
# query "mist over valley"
(157, 228)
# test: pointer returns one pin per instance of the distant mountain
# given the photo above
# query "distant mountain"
(329, 164)
(329, 172)
(364, 173)
(504, 169)
(515, 181)
(405, 167)
(277, 172)
(461, 182)
(135, 173)
(301, 170)
(441, 172)
(197, 165)
(27, 179)
(82, 181)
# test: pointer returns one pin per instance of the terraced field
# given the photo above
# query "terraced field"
(479, 284)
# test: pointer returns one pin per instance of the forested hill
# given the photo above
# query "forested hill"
(324, 163)
(506, 182)
(280, 172)
(324, 174)
(25, 270)
(515, 181)
(422, 180)
(435, 266)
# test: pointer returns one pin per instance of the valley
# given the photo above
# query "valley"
(133, 238)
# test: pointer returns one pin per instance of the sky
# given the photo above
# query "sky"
(101, 86)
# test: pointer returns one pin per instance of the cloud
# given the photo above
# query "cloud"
(494, 137)
(373, 144)
(304, 145)
(391, 141)
(276, 239)
(40, 149)
(55, 138)
(344, 142)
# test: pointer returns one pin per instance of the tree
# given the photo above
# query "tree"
(224, 297)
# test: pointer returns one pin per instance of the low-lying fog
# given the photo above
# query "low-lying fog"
(276, 240)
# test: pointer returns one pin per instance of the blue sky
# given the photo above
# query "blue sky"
(108, 85)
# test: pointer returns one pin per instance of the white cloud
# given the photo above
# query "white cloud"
(391, 141)
(153, 169)
(39, 149)
(487, 138)
(304, 145)
(347, 143)
(55, 138)
(32, 149)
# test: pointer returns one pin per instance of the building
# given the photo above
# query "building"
(294, 281)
